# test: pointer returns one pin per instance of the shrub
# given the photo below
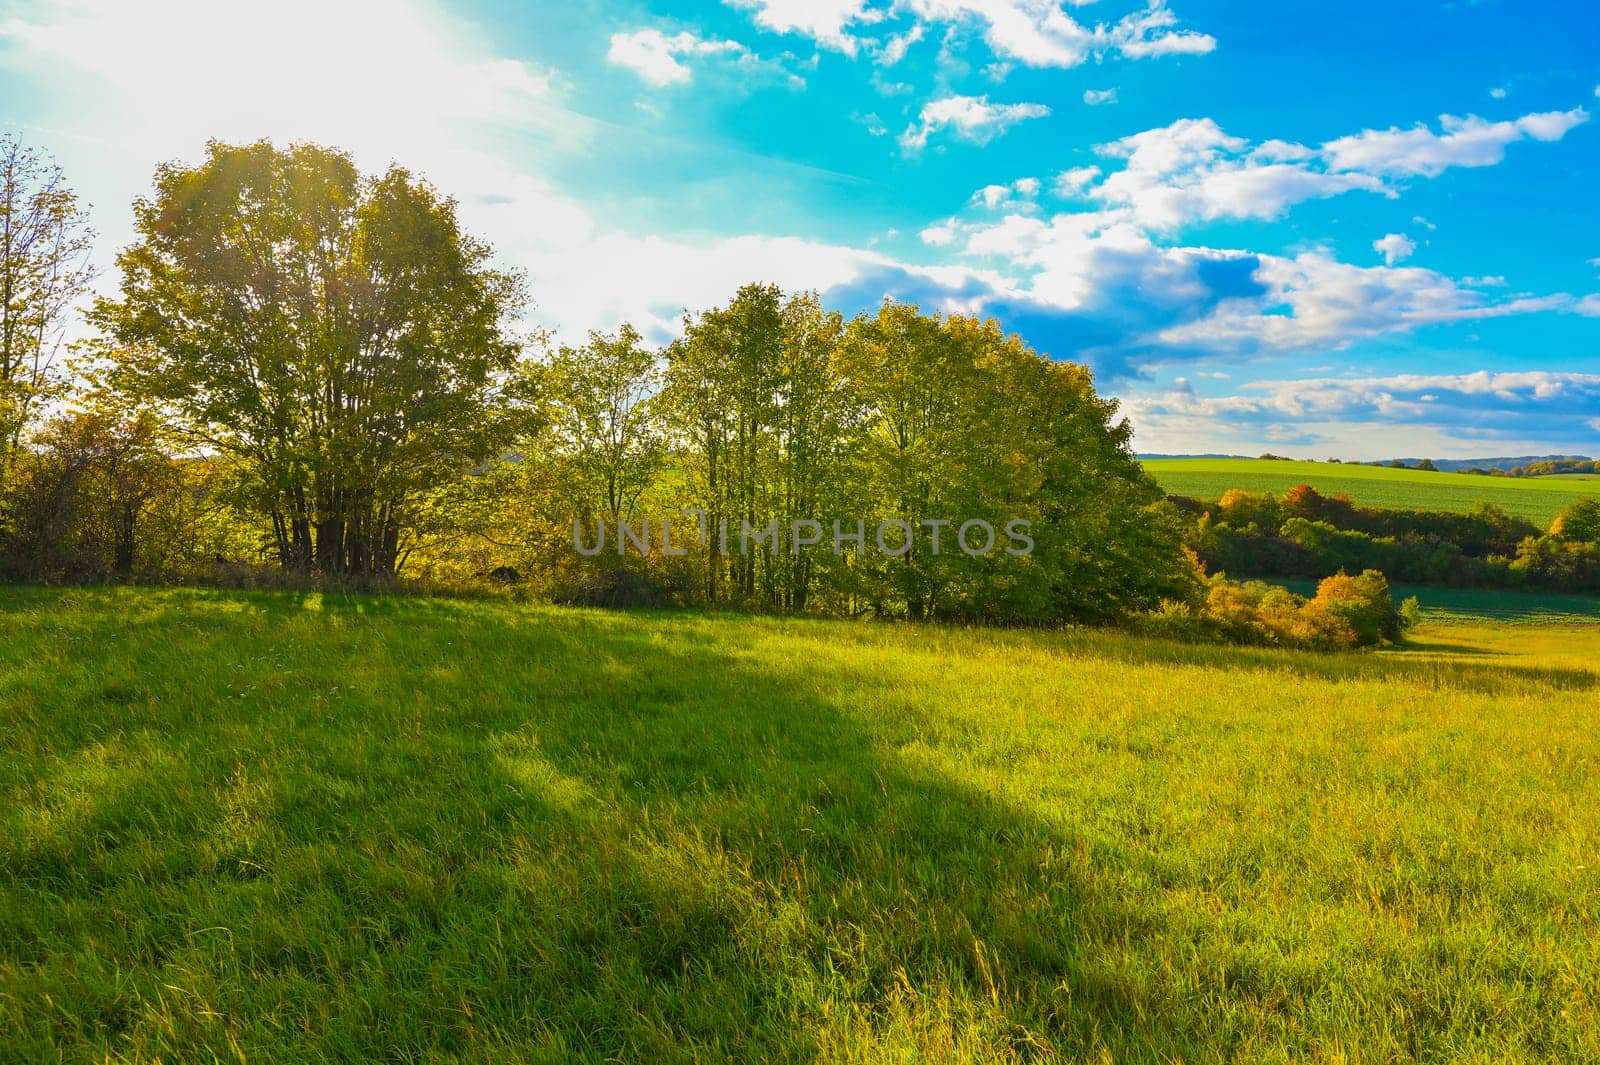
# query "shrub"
(1364, 603)
(622, 587)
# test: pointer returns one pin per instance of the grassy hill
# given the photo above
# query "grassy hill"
(1539, 499)
(296, 828)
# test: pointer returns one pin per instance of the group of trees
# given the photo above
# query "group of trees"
(1304, 533)
(317, 370)
(775, 415)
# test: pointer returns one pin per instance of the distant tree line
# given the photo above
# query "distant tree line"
(1304, 533)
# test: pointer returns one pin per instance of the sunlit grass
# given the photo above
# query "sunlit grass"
(290, 828)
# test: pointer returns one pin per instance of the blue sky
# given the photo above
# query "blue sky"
(1361, 230)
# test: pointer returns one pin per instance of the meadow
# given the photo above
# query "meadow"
(1538, 499)
(289, 827)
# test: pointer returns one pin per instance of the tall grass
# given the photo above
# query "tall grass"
(280, 827)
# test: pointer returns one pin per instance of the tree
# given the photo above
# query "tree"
(338, 336)
(721, 384)
(600, 423)
(81, 501)
(1579, 522)
(45, 242)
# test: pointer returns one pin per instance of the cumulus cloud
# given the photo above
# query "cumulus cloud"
(1096, 97)
(969, 118)
(1072, 182)
(1470, 141)
(1019, 195)
(1394, 247)
(1040, 33)
(1193, 171)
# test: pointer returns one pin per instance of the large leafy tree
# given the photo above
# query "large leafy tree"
(44, 269)
(338, 335)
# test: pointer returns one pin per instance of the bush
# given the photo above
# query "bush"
(622, 587)
(1364, 604)
(1346, 613)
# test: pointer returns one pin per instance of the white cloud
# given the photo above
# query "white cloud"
(1031, 33)
(1096, 97)
(896, 47)
(1469, 141)
(1072, 182)
(1487, 281)
(939, 236)
(1334, 304)
(1150, 34)
(1394, 247)
(1192, 170)
(654, 56)
(871, 122)
(969, 118)
(658, 57)
(1498, 93)
(826, 21)
(1018, 195)
(1589, 306)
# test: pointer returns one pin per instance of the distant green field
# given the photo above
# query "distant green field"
(1537, 499)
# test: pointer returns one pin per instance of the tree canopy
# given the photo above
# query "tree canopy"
(337, 335)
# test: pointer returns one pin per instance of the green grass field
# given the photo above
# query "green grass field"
(300, 828)
(1539, 499)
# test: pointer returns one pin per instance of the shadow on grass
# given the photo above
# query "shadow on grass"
(598, 841)
(437, 830)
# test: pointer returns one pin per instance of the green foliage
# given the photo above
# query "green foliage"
(1308, 534)
(99, 497)
(1579, 523)
(337, 337)
(45, 242)
(1346, 613)
(1364, 604)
